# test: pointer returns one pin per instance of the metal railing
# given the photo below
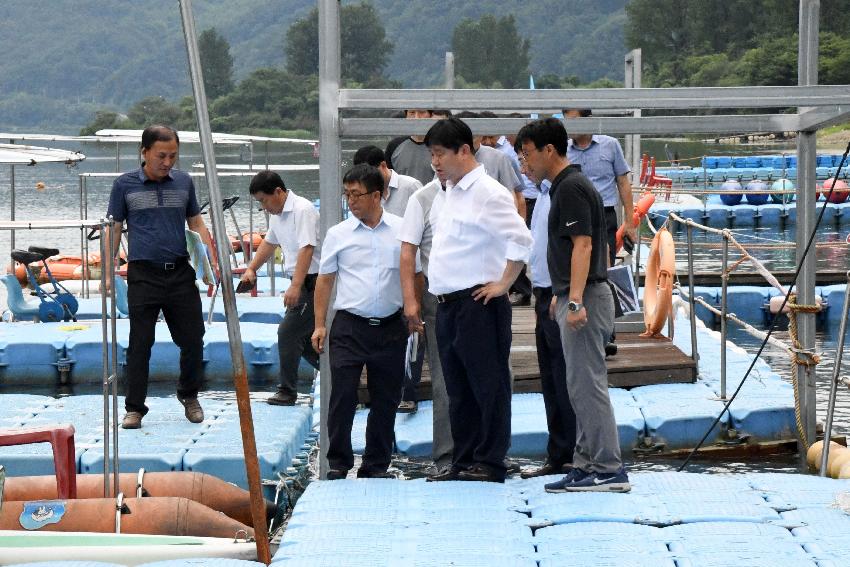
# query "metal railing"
(109, 331)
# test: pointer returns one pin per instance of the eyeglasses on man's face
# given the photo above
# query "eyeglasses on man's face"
(353, 195)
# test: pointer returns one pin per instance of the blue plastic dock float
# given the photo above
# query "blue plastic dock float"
(30, 352)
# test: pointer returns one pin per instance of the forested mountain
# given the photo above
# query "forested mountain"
(64, 59)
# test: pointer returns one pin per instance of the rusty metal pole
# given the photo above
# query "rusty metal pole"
(240, 376)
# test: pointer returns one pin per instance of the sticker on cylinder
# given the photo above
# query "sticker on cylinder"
(38, 514)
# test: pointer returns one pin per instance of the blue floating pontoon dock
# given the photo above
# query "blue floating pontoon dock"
(166, 441)
(664, 416)
(668, 519)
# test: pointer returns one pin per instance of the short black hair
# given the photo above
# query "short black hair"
(451, 133)
(266, 182)
(582, 112)
(366, 175)
(441, 111)
(373, 155)
(467, 114)
(158, 133)
(487, 114)
(542, 132)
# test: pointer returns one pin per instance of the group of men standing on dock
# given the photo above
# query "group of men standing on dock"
(439, 260)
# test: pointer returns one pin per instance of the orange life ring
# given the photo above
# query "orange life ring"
(658, 285)
(66, 267)
(641, 208)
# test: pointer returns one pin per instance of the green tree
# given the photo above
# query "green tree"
(490, 51)
(363, 43)
(153, 110)
(268, 98)
(103, 119)
(216, 63)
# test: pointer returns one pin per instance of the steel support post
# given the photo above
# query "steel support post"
(806, 216)
(450, 70)
(330, 178)
(240, 376)
(633, 81)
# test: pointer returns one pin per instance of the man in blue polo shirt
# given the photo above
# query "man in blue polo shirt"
(157, 203)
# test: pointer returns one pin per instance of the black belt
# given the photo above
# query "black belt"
(455, 295)
(374, 321)
(165, 266)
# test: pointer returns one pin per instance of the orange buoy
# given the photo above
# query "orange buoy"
(640, 209)
(153, 516)
(658, 285)
(205, 489)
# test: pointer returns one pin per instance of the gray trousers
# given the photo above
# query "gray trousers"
(293, 342)
(442, 446)
(597, 443)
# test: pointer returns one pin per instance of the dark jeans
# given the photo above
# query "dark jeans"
(475, 343)
(560, 417)
(293, 339)
(352, 344)
(151, 289)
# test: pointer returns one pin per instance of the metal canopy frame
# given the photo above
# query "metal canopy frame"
(832, 105)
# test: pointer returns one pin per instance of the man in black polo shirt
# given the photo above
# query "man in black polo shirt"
(157, 203)
(582, 304)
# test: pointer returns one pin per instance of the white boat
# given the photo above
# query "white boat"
(125, 549)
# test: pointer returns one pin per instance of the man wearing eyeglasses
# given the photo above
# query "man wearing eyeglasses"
(582, 304)
(361, 254)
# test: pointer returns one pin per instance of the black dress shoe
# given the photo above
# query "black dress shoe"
(336, 474)
(610, 349)
(447, 473)
(366, 473)
(481, 473)
(546, 469)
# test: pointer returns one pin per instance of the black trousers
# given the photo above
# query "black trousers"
(151, 289)
(529, 210)
(475, 343)
(293, 339)
(560, 417)
(611, 226)
(353, 343)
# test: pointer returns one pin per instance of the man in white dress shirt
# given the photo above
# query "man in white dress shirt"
(362, 255)
(294, 226)
(397, 188)
(480, 245)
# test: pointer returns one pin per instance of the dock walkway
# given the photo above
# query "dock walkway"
(668, 520)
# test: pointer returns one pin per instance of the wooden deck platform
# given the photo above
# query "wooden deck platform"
(638, 362)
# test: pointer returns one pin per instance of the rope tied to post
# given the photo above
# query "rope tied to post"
(799, 357)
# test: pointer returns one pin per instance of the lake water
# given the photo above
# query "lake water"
(60, 200)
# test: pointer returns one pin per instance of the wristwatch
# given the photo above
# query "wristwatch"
(574, 306)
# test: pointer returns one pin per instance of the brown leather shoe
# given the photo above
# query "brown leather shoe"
(281, 399)
(194, 412)
(548, 468)
(481, 473)
(366, 473)
(133, 420)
